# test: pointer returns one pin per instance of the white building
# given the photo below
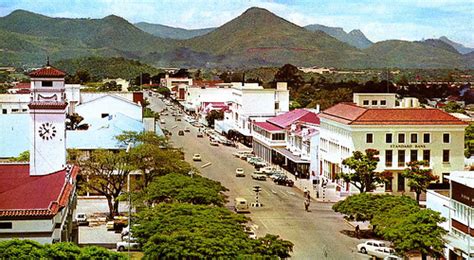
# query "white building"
(176, 85)
(37, 199)
(251, 102)
(206, 91)
(401, 134)
(456, 206)
(105, 105)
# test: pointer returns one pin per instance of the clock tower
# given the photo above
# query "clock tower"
(47, 123)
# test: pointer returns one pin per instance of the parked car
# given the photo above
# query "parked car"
(283, 180)
(251, 234)
(81, 219)
(260, 177)
(180, 132)
(392, 257)
(268, 170)
(241, 205)
(370, 246)
(239, 153)
(277, 175)
(124, 245)
(197, 157)
(239, 172)
(259, 164)
(199, 135)
(382, 252)
(214, 143)
(186, 129)
(162, 121)
(126, 230)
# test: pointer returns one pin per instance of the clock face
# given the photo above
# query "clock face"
(47, 131)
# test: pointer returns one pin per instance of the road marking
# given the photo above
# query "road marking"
(291, 193)
(205, 165)
(263, 223)
(264, 190)
(174, 126)
(274, 192)
(284, 193)
(254, 227)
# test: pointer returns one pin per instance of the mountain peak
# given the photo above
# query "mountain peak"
(255, 9)
(114, 17)
(356, 32)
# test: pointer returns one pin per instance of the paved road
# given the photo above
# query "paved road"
(315, 234)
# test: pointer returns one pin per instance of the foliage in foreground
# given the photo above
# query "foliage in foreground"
(181, 230)
(398, 219)
(28, 249)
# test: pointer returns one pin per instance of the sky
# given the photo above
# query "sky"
(377, 19)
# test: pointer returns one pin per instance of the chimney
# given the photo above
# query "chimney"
(282, 86)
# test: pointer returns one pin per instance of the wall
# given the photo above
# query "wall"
(435, 201)
(389, 98)
(10, 102)
(88, 96)
(109, 105)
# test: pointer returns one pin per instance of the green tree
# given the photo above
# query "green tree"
(105, 172)
(272, 245)
(418, 178)
(290, 74)
(175, 187)
(214, 115)
(63, 251)
(110, 86)
(454, 107)
(469, 141)
(328, 98)
(23, 157)
(164, 91)
(73, 122)
(362, 166)
(95, 252)
(21, 249)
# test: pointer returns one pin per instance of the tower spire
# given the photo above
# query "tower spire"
(47, 61)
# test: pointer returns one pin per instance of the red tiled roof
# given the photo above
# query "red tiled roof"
(47, 72)
(207, 83)
(25, 195)
(268, 126)
(289, 118)
(22, 86)
(47, 105)
(350, 114)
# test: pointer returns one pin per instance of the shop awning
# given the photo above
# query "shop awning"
(222, 126)
(290, 156)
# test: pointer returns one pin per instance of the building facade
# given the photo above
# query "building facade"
(401, 134)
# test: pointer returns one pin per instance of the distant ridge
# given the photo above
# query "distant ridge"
(459, 47)
(164, 31)
(355, 37)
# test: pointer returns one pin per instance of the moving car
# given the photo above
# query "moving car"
(258, 176)
(81, 219)
(277, 175)
(180, 132)
(283, 180)
(199, 134)
(239, 172)
(124, 245)
(186, 129)
(370, 246)
(196, 157)
(241, 205)
(268, 170)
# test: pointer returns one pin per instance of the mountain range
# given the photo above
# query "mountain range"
(255, 38)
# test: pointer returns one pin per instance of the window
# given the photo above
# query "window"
(426, 138)
(365, 102)
(103, 115)
(401, 158)
(413, 155)
(401, 138)
(24, 110)
(369, 138)
(4, 111)
(6, 225)
(14, 110)
(383, 102)
(445, 156)
(279, 136)
(414, 138)
(446, 138)
(444, 175)
(277, 105)
(388, 158)
(388, 138)
(46, 83)
(426, 155)
(374, 102)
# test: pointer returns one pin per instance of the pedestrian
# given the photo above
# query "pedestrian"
(306, 204)
(306, 192)
(357, 230)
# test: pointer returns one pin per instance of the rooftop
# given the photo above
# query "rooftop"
(268, 126)
(19, 192)
(288, 118)
(351, 114)
(48, 72)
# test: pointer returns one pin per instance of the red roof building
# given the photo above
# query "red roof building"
(48, 72)
(288, 118)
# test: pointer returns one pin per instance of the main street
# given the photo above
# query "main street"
(315, 234)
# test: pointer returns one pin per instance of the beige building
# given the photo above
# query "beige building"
(400, 134)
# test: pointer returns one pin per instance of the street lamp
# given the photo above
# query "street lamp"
(129, 205)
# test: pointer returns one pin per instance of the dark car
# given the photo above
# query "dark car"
(284, 181)
(180, 132)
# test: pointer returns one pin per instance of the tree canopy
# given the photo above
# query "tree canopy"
(398, 219)
(214, 115)
(28, 249)
(418, 178)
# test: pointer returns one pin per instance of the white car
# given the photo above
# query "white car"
(239, 172)
(370, 246)
(124, 245)
(197, 157)
(382, 252)
(214, 143)
(81, 219)
(267, 170)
